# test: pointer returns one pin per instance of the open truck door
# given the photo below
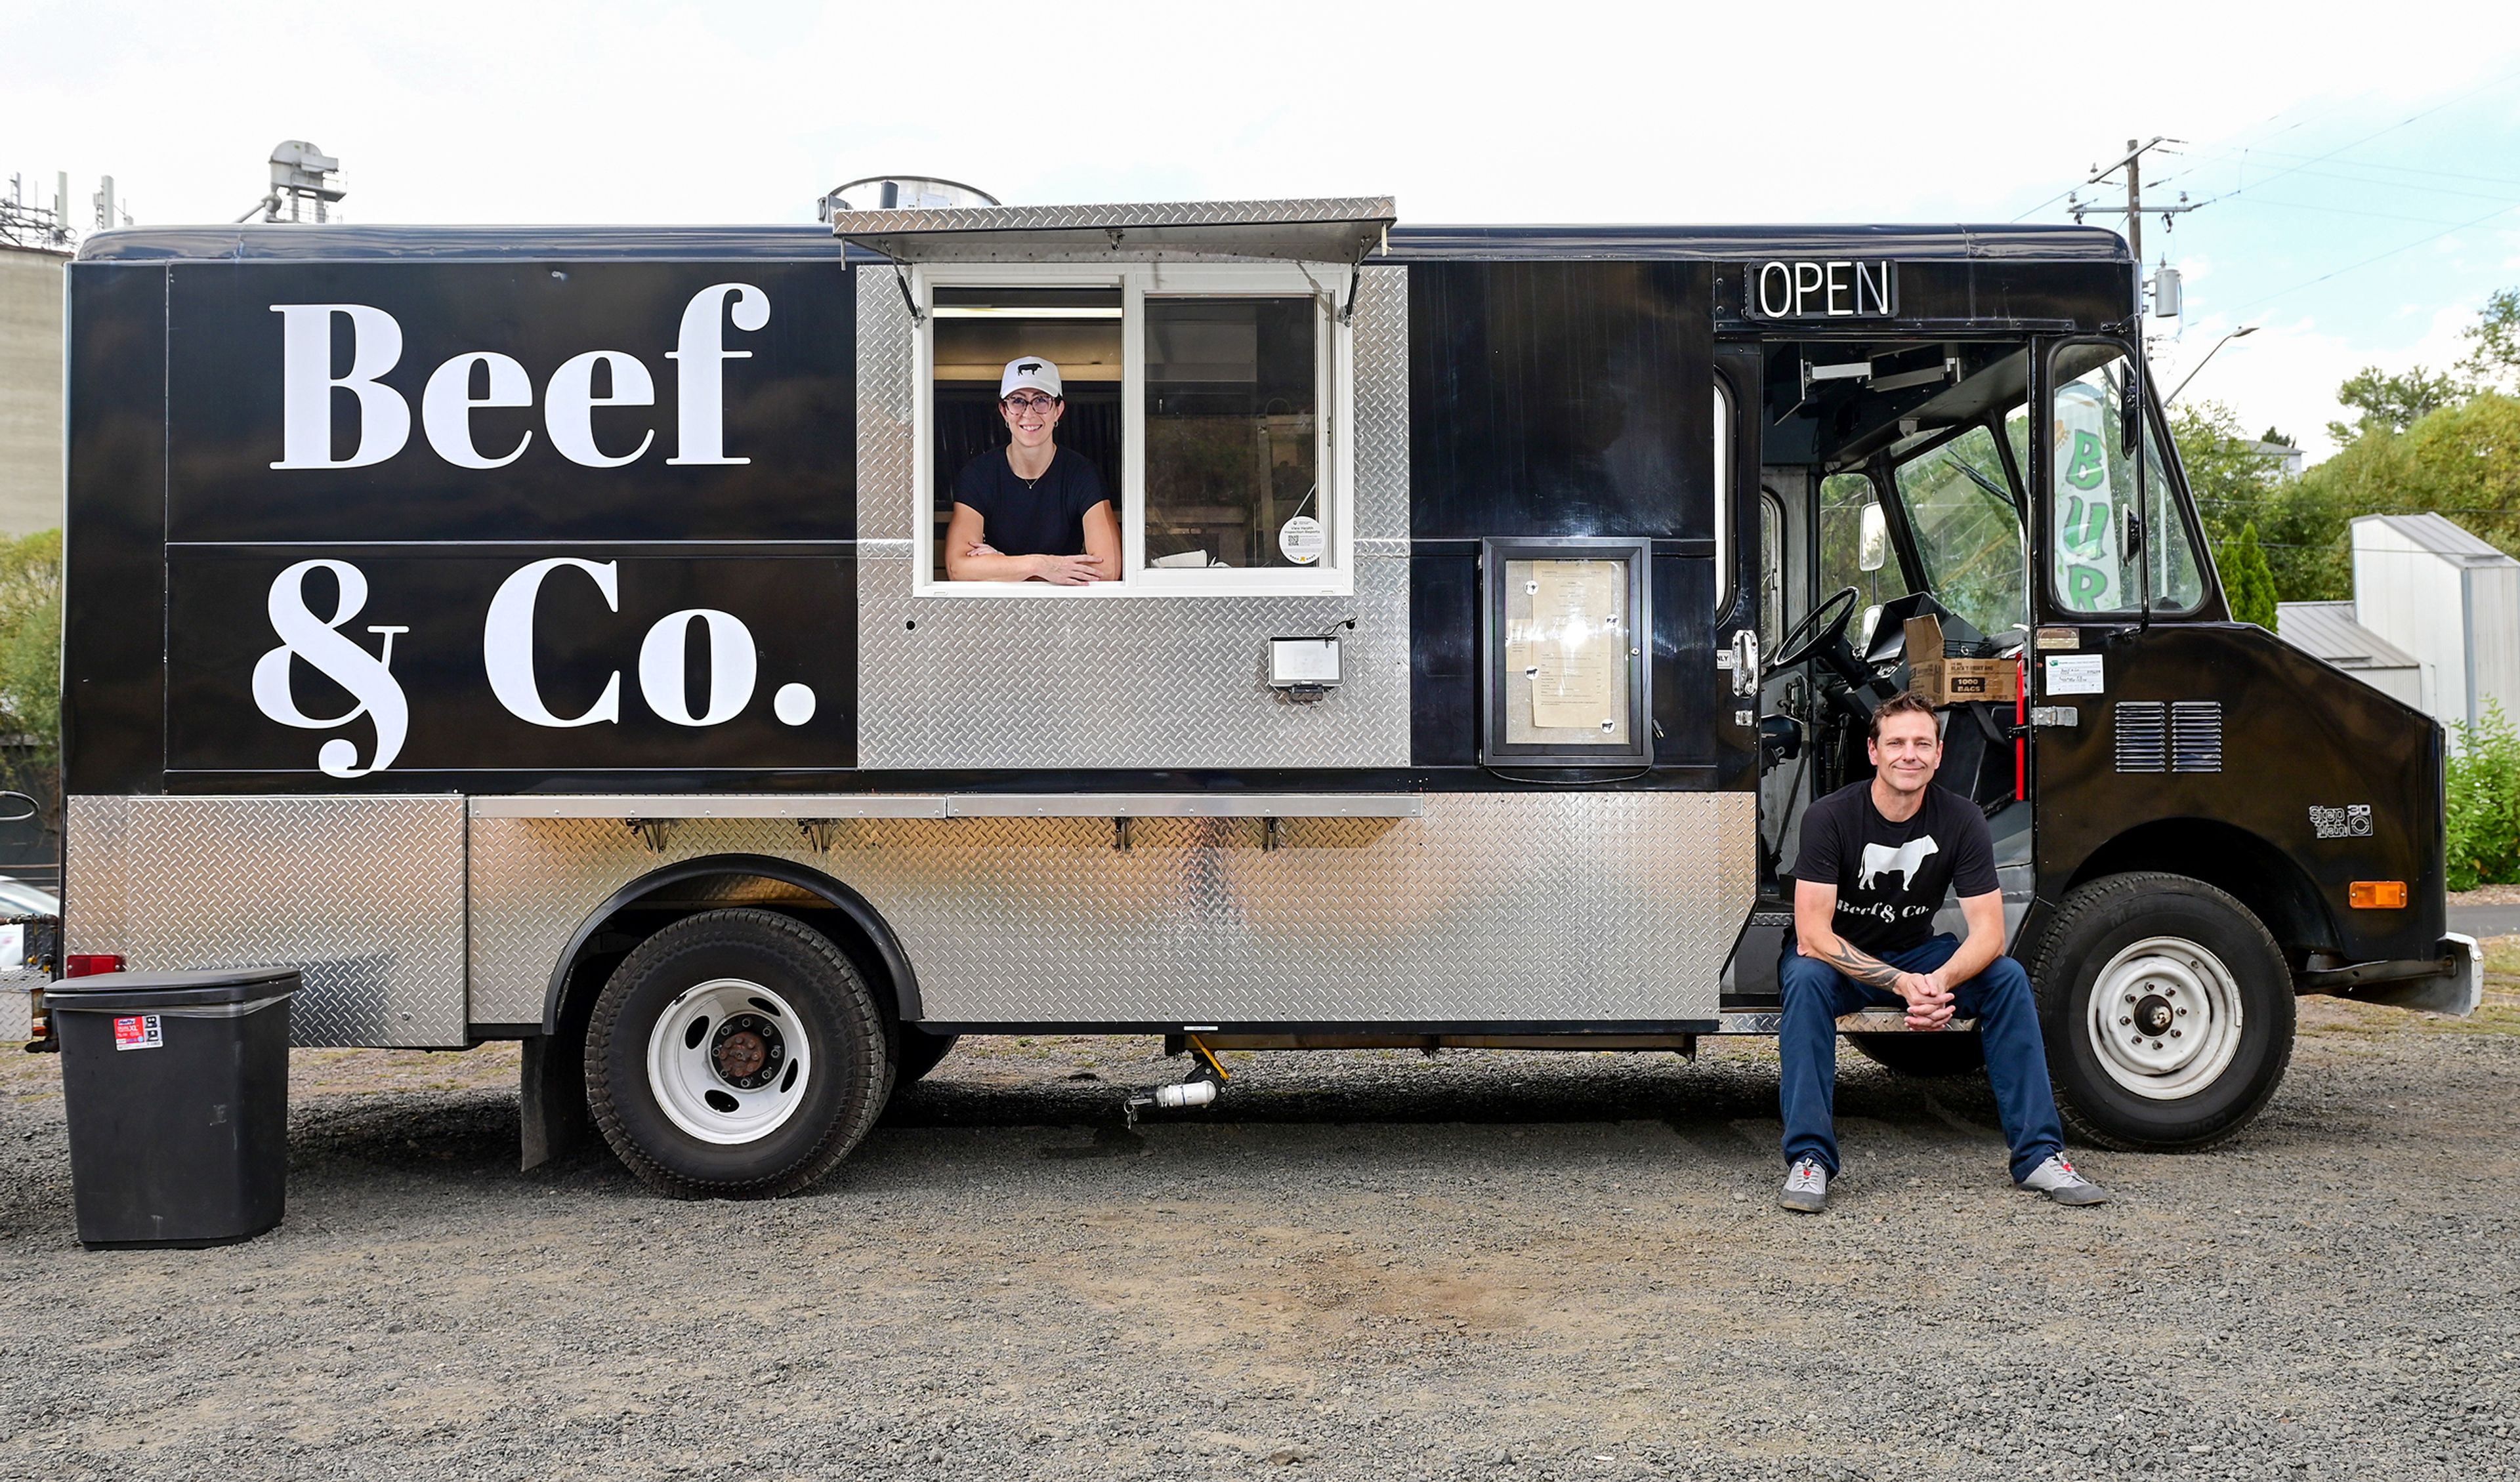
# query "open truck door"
(2206, 794)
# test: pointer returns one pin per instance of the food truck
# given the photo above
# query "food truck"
(547, 635)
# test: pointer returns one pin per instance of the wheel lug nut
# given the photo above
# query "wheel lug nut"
(2173, 1034)
(2123, 1019)
(2156, 1044)
(2183, 1013)
(2130, 998)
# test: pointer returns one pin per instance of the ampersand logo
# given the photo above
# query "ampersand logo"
(369, 677)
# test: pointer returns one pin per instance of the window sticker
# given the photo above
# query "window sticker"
(1301, 539)
(2074, 674)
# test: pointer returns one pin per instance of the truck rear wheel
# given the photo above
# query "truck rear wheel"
(735, 1055)
(2166, 1013)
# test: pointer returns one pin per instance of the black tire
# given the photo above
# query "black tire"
(1930, 1055)
(831, 1009)
(2107, 917)
(920, 1054)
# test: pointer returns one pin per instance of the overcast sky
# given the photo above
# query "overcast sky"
(2375, 151)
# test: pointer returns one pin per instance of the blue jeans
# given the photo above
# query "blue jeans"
(2007, 1023)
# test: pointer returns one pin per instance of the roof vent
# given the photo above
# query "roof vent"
(899, 193)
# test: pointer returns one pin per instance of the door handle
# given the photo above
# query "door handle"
(1746, 663)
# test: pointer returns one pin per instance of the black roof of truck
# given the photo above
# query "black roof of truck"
(1955, 241)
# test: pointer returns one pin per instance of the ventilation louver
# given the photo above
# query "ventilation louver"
(2196, 736)
(2144, 744)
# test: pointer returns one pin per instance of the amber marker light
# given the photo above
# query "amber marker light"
(2378, 895)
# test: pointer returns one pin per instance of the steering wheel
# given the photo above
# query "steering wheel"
(1820, 628)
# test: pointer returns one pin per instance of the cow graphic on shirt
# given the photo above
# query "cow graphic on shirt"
(1904, 862)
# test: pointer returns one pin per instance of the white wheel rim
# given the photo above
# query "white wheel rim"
(729, 1061)
(2164, 1019)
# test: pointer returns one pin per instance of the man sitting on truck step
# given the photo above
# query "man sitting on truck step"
(1877, 858)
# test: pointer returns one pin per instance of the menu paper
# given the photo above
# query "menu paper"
(1578, 645)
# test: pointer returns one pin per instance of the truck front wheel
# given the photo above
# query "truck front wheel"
(2166, 1013)
(735, 1055)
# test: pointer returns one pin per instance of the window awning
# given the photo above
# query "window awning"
(1329, 230)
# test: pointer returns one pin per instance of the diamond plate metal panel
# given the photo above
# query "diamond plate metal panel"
(1130, 682)
(1380, 352)
(1126, 213)
(885, 432)
(1490, 907)
(363, 895)
(94, 865)
(1152, 682)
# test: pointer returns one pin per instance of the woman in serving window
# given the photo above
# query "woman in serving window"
(1029, 512)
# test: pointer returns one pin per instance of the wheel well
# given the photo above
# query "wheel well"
(2232, 860)
(655, 900)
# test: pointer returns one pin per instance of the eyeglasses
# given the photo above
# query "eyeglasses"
(1029, 403)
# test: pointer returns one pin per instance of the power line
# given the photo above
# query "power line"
(2408, 169)
(2392, 128)
(2347, 210)
(2377, 256)
(2234, 151)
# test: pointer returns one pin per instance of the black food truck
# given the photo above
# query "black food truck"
(549, 635)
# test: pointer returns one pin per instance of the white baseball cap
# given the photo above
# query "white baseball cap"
(1029, 370)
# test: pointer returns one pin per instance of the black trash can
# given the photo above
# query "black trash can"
(177, 1085)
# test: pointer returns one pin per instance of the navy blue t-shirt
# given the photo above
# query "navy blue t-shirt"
(1045, 517)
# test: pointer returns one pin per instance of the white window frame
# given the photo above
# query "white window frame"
(1335, 375)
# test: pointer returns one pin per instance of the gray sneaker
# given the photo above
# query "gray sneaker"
(2058, 1179)
(1805, 1189)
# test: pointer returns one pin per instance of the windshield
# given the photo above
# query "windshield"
(1967, 526)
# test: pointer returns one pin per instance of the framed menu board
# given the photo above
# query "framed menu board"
(1566, 639)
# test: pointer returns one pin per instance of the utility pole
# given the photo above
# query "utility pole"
(2133, 163)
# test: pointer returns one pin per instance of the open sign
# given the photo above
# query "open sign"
(1848, 288)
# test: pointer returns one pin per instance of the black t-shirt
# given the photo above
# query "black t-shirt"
(1891, 877)
(1045, 518)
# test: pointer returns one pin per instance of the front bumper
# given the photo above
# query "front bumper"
(2450, 982)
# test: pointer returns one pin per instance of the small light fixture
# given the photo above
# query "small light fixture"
(1304, 669)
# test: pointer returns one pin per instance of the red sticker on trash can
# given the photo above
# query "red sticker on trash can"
(139, 1031)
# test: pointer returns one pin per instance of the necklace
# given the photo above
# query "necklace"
(1030, 484)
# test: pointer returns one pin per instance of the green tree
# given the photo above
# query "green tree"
(30, 664)
(2465, 462)
(2248, 582)
(2394, 402)
(2493, 341)
(2481, 800)
(2301, 532)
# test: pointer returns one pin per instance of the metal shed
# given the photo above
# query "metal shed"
(2425, 585)
(2329, 630)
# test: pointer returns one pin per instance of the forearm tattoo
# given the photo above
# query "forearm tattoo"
(1863, 966)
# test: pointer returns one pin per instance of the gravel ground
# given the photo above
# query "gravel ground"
(1357, 1265)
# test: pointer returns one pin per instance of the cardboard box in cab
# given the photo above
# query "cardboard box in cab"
(1941, 680)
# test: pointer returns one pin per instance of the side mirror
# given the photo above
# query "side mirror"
(2130, 415)
(1872, 539)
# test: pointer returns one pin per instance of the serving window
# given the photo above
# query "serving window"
(1208, 400)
